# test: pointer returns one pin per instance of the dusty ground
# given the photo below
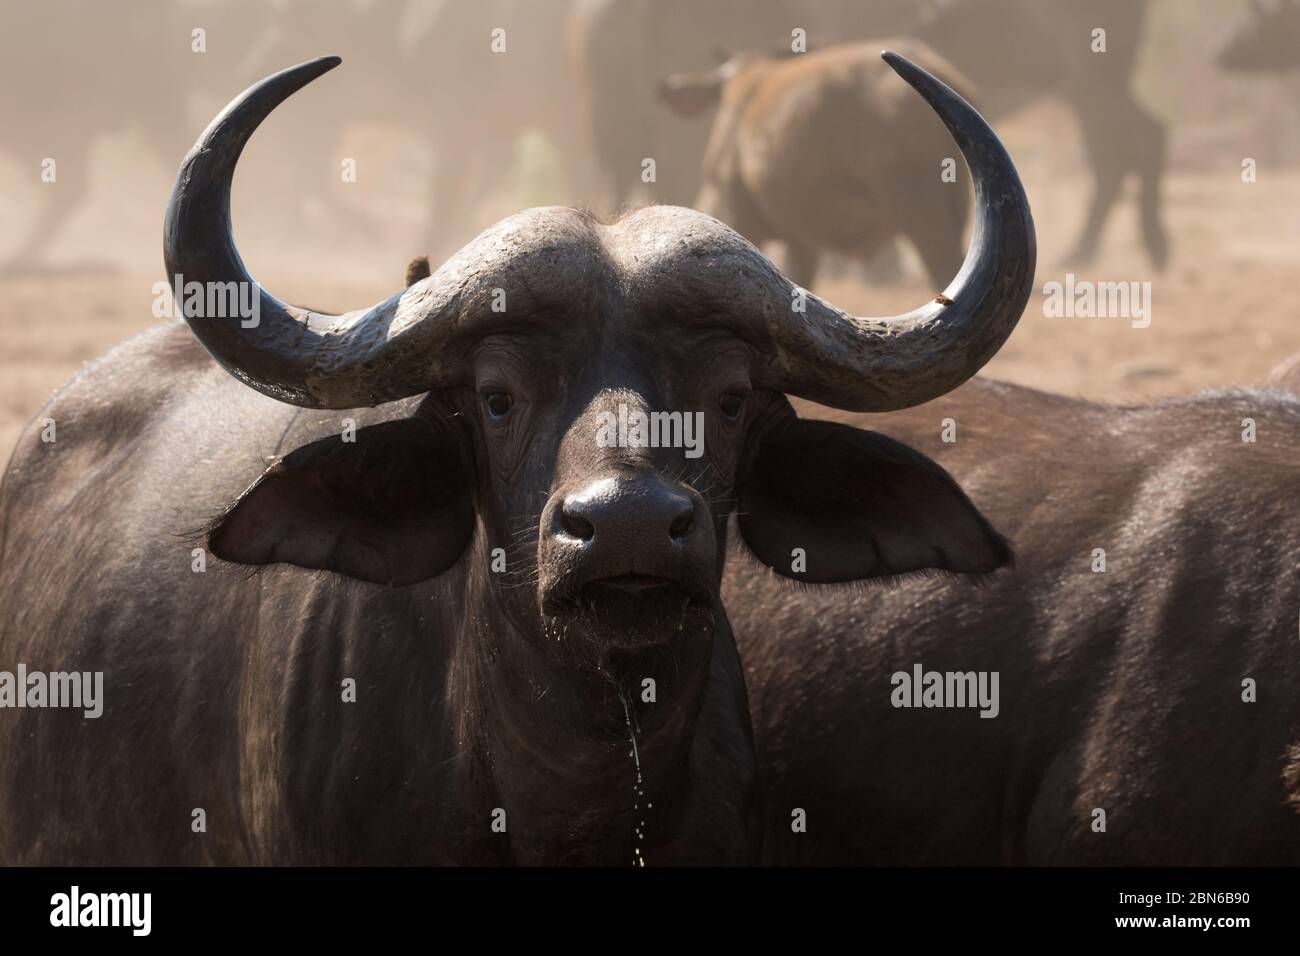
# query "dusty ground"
(1224, 312)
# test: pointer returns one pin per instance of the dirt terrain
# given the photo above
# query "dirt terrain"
(1223, 313)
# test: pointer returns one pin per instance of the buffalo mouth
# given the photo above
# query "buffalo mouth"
(634, 584)
(633, 609)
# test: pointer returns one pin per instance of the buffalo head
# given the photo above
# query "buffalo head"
(600, 398)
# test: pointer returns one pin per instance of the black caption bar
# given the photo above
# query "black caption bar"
(116, 905)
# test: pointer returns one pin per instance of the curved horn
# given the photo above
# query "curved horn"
(882, 364)
(292, 354)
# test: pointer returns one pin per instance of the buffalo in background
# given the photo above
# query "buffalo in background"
(1015, 51)
(580, 74)
(1265, 40)
(463, 106)
(821, 153)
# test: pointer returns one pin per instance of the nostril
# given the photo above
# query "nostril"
(682, 524)
(575, 525)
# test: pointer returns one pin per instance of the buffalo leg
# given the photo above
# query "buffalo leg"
(940, 252)
(1150, 172)
(1108, 177)
(884, 266)
(801, 264)
(1120, 137)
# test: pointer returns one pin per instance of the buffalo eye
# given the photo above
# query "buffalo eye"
(498, 404)
(731, 403)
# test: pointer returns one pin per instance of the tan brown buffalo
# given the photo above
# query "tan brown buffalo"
(821, 152)
(621, 50)
(1265, 39)
(1018, 51)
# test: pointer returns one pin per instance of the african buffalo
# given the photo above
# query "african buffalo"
(1016, 51)
(1266, 39)
(877, 169)
(622, 49)
(55, 105)
(422, 62)
(1155, 683)
(476, 623)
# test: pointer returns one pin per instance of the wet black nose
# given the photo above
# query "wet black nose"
(630, 534)
(627, 514)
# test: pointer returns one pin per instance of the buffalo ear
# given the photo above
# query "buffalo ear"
(860, 505)
(394, 507)
(689, 94)
(417, 270)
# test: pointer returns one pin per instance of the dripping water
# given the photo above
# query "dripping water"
(633, 729)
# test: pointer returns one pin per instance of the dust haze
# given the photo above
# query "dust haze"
(446, 135)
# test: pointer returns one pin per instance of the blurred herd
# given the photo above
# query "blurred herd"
(574, 97)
